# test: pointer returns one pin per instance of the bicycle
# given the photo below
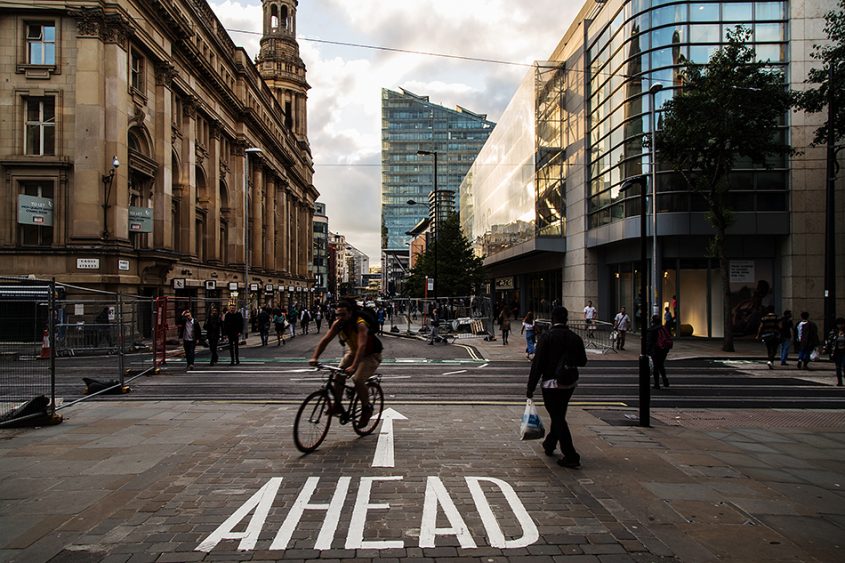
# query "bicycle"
(315, 413)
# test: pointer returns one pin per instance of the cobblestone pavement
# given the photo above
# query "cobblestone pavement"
(190, 481)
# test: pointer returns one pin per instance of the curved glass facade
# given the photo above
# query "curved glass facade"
(645, 42)
(514, 191)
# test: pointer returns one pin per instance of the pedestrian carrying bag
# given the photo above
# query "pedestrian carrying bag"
(531, 427)
(664, 338)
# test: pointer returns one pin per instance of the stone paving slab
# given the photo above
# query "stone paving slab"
(108, 485)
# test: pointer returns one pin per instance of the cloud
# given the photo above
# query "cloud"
(344, 103)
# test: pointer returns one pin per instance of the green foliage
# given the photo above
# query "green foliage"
(832, 57)
(728, 109)
(459, 271)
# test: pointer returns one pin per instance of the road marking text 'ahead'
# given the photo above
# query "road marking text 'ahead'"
(436, 497)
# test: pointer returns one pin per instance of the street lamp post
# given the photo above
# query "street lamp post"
(436, 218)
(655, 306)
(247, 152)
(108, 182)
(644, 379)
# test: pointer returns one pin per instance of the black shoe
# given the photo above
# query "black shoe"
(656, 387)
(548, 452)
(569, 463)
(366, 415)
(798, 365)
(665, 383)
(231, 363)
(238, 362)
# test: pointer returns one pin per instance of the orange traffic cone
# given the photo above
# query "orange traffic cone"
(45, 345)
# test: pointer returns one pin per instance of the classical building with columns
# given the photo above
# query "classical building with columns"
(143, 151)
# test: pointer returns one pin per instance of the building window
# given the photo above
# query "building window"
(136, 72)
(40, 126)
(40, 44)
(30, 233)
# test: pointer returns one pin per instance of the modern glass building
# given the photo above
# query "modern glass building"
(410, 124)
(543, 203)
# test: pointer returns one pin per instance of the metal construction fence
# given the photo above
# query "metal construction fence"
(467, 317)
(47, 325)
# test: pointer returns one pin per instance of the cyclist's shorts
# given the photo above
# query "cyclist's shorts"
(367, 367)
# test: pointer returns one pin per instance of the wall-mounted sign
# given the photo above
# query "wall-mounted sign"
(211, 285)
(280, 287)
(430, 282)
(123, 265)
(268, 288)
(298, 289)
(504, 283)
(290, 288)
(35, 210)
(742, 271)
(233, 286)
(253, 287)
(87, 263)
(140, 219)
(178, 283)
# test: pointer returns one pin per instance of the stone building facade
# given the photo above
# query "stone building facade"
(130, 129)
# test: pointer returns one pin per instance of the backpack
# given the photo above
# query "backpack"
(664, 339)
(374, 346)
(566, 375)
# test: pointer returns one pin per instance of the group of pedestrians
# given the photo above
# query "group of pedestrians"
(231, 326)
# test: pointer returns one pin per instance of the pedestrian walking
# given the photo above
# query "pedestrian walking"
(808, 339)
(786, 328)
(836, 348)
(233, 325)
(304, 319)
(528, 330)
(591, 314)
(380, 317)
(434, 321)
(318, 318)
(667, 319)
(559, 354)
(621, 324)
(658, 344)
(264, 325)
(103, 324)
(505, 323)
(768, 332)
(279, 322)
(293, 317)
(189, 334)
(213, 326)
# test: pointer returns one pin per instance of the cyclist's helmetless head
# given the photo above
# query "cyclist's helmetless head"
(344, 310)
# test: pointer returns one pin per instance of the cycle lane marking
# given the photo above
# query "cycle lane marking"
(384, 448)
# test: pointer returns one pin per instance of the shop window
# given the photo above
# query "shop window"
(40, 44)
(35, 229)
(40, 126)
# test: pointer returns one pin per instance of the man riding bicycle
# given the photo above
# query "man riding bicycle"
(363, 351)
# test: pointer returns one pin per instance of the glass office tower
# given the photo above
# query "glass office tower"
(411, 123)
(543, 204)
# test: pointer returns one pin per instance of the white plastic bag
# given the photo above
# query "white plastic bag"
(814, 355)
(531, 427)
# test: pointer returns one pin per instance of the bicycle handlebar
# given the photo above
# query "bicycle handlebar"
(327, 367)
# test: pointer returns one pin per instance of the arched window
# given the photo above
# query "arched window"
(285, 19)
(201, 204)
(142, 172)
(274, 18)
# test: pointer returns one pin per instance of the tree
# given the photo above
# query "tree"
(727, 109)
(830, 78)
(459, 271)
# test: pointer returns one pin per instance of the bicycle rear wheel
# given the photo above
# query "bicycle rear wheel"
(376, 396)
(312, 422)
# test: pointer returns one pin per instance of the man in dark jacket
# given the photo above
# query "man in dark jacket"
(233, 326)
(557, 344)
(213, 326)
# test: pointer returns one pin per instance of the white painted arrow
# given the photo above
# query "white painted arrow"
(384, 448)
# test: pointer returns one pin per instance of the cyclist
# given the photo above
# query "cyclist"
(363, 351)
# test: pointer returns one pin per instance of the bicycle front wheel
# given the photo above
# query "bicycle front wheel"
(376, 396)
(312, 422)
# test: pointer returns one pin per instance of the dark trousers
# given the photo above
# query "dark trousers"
(234, 343)
(772, 345)
(212, 345)
(190, 347)
(658, 358)
(557, 401)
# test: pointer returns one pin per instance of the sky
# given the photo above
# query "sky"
(344, 103)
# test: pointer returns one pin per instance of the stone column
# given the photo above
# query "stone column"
(270, 222)
(256, 241)
(163, 182)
